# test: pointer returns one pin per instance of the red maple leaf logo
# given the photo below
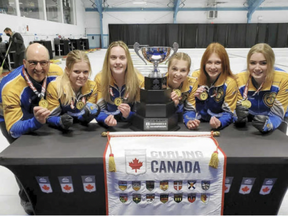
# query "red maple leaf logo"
(135, 164)
(226, 188)
(266, 189)
(89, 187)
(45, 187)
(245, 189)
(67, 187)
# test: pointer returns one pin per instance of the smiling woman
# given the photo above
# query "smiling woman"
(262, 95)
(216, 95)
(72, 97)
(119, 85)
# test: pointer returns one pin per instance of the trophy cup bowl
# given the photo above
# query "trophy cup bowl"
(155, 55)
(156, 110)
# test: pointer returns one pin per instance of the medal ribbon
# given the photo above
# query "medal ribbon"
(111, 92)
(245, 93)
(43, 89)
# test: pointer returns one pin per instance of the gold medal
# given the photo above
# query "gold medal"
(204, 95)
(43, 103)
(246, 103)
(178, 92)
(80, 105)
(117, 101)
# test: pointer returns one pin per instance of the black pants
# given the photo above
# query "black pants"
(18, 61)
(22, 194)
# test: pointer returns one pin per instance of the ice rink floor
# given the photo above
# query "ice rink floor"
(9, 199)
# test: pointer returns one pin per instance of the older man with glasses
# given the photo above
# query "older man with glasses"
(23, 105)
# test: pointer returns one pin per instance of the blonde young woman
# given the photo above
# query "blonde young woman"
(216, 95)
(182, 85)
(119, 85)
(73, 96)
(263, 91)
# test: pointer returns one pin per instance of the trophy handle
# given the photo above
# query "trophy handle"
(175, 49)
(137, 47)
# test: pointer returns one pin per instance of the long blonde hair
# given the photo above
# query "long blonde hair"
(221, 52)
(268, 53)
(64, 88)
(131, 79)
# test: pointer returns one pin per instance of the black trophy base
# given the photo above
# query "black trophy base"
(140, 123)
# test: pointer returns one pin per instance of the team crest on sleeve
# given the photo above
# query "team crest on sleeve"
(122, 185)
(123, 198)
(191, 184)
(150, 198)
(136, 198)
(177, 185)
(164, 185)
(136, 185)
(204, 198)
(178, 198)
(164, 198)
(269, 98)
(191, 197)
(150, 185)
(135, 161)
(219, 95)
(205, 185)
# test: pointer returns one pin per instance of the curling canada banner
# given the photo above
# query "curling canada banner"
(164, 173)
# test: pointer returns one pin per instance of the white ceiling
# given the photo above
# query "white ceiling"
(184, 3)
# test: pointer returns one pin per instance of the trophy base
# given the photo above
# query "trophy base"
(140, 123)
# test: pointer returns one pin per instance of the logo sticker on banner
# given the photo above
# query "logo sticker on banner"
(137, 198)
(44, 184)
(164, 185)
(267, 186)
(176, 166)
(205, 185)
(122, 185)
(204, 198)
(228, 183)
(150, 197)
(164, 198)
(191, 197)
(150, 185)
(246, 185)
(177, 185)
(66, 184)
(178, 198)
(135, 161)
(89, 183)
(136, 185)
(191, 184)
(123, 198)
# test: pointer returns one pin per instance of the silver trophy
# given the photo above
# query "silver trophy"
(155, 55)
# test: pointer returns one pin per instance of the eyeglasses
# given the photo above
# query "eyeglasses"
(33, 64)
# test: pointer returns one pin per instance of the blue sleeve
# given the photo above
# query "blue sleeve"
(128, 117)
(26, 126)
(101, 117)
(226, 119)
(275, 120)
(54, 121)
(188, 115)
